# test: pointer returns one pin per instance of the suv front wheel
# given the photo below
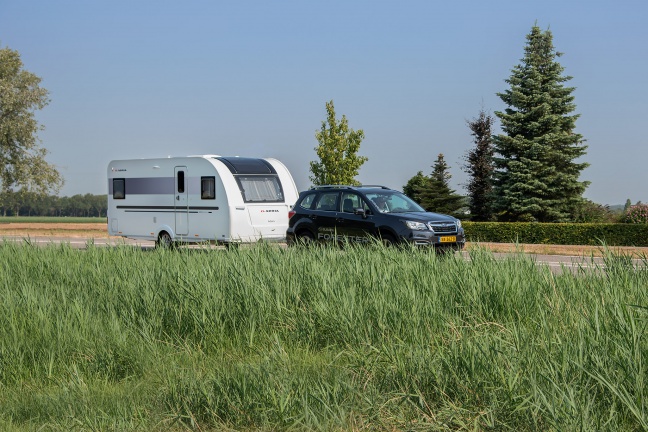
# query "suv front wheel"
(388, 239)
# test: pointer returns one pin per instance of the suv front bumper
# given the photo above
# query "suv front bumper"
(429, 238)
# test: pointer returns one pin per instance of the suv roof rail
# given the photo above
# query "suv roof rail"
(332, 187)
(375, 186)
(348, 187)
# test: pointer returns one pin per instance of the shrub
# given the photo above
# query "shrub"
(558, 233)
(591, 212)
(637, 214)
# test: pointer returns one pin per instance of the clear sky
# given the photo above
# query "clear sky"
(142, 78)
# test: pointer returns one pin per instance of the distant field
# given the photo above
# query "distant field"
(49, 219)
(43, 226)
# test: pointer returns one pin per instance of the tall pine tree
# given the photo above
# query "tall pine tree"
(436, 195)
(536, 176)
(479, 166)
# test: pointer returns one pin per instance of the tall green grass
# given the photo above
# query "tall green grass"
(317, 339)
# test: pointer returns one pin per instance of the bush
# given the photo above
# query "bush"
(558, 233)
(591, 212)
(637, 214)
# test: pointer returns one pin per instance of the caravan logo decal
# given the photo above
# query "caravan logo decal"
(269, 211)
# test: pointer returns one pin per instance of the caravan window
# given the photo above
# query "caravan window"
(119, 188)
(208, 187)
(260, 188)
(181, 182)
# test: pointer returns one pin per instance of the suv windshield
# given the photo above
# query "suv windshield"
(393, 202)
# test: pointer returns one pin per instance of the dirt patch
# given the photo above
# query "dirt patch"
(62, 226)
(570, 250)
(93, 230)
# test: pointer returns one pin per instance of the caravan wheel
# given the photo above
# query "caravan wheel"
(164, 240)
(232, 245)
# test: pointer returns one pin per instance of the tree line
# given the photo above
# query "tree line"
(35, 204)
(529, 172)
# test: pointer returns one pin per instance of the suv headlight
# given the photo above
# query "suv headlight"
(416, 226)
(458, 224)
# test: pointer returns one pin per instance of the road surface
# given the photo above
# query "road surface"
(555, 262)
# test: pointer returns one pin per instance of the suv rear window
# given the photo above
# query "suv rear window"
(307, 202)
(327, 201)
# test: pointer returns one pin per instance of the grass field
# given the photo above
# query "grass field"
(268, 338)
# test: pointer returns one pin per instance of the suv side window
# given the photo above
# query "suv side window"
(307, 202)
(327, 201)
(352, 201)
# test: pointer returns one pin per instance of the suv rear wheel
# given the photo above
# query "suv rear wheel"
(305, 238)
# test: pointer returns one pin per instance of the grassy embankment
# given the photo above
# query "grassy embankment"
(322, 339)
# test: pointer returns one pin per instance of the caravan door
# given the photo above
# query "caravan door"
(181, 201)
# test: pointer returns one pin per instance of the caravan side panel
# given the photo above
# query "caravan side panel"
(148, 196)
(140, 198)
(199, 198)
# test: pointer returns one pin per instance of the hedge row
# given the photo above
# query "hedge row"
(612, 234)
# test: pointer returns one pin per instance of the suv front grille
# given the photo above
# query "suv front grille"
(443, 227)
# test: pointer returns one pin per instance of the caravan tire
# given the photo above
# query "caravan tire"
(164, 241)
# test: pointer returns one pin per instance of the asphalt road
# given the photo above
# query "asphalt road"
(76, 242)
(555, 262)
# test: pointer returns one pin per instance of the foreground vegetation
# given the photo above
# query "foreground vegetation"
(317, 339)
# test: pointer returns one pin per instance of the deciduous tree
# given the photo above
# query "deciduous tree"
(337, 151)
(415, 185)
(22, 159)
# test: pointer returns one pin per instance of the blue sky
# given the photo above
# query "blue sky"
(134, 79)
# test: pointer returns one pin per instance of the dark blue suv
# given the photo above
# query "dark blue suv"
(358, 214)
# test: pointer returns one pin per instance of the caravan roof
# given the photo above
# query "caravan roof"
(239, 165)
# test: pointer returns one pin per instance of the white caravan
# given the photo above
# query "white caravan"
(200, 198)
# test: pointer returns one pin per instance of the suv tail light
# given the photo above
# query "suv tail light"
(291, 213)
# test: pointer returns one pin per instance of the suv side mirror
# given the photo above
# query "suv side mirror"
(361, 212)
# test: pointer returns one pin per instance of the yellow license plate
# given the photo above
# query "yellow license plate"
(448, 239)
